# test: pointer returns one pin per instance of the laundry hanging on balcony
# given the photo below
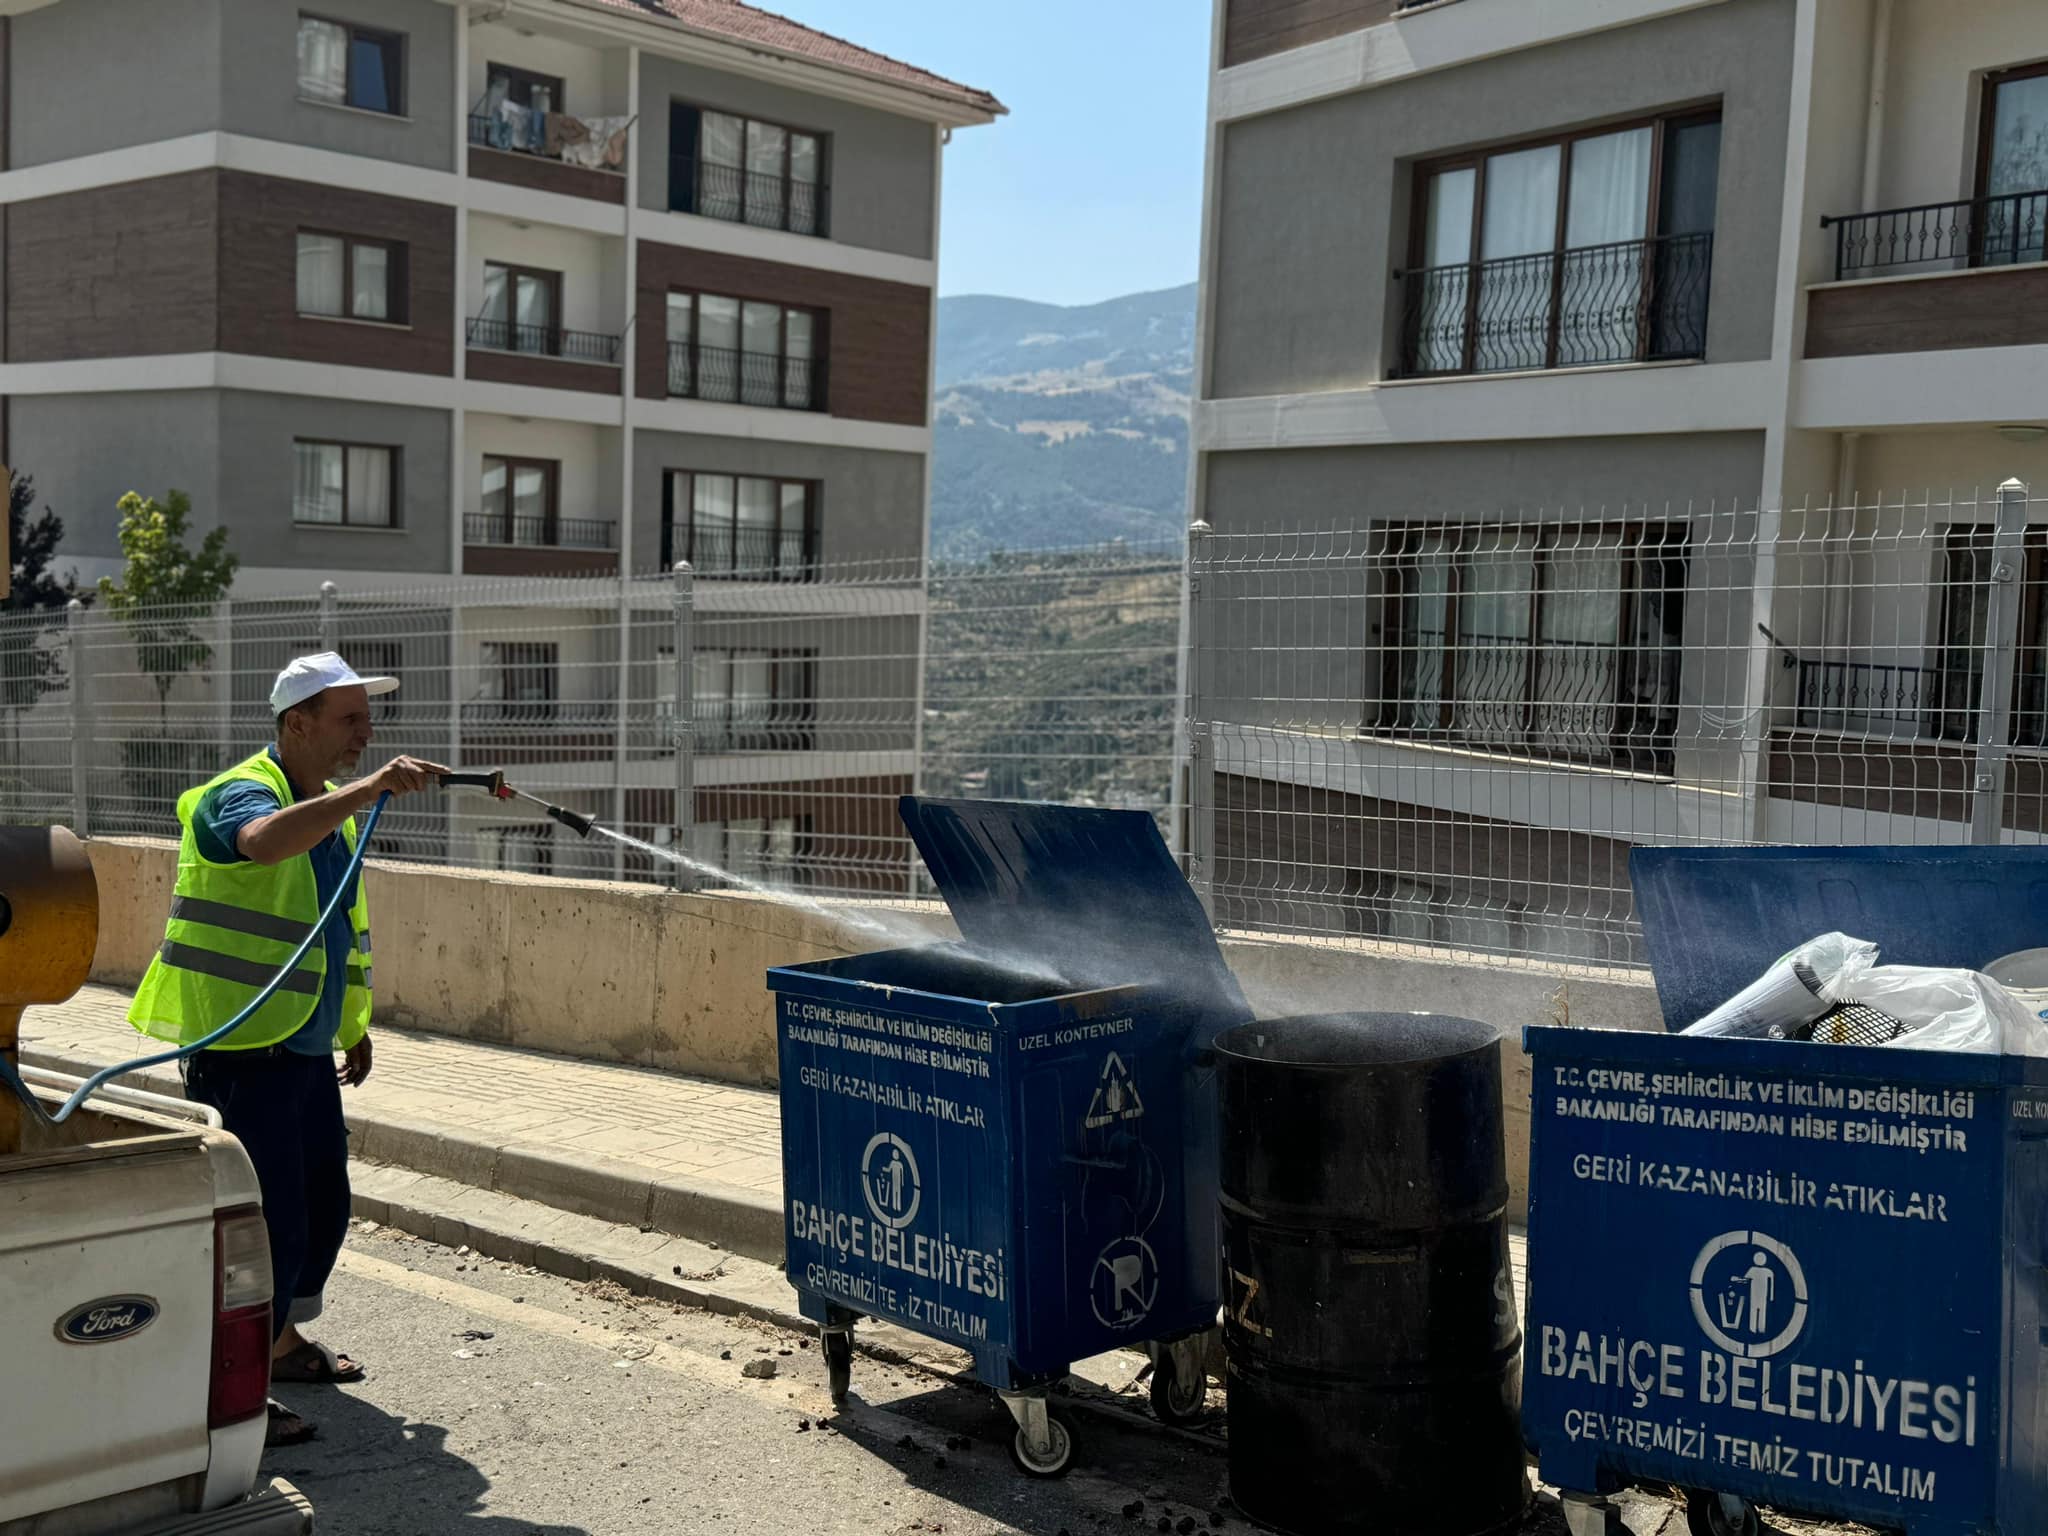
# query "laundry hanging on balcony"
(596, 143)
(515, 127)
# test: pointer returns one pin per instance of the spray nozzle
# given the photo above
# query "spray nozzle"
(574, 820)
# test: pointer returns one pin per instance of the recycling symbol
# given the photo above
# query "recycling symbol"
(1116, 1096)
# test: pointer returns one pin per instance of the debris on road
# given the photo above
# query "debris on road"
(759, 1370)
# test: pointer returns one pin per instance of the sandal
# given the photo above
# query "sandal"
(286, 1427)
(315, 1364)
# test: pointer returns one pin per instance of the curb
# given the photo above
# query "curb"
(622, 1194)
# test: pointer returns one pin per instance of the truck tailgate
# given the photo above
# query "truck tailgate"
(81, 1420)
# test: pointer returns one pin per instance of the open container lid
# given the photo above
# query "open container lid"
(1092, 895)
(1715, 919)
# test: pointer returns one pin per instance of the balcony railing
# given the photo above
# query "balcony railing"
(753, 725)
(741, 196)
(487, 131)
(745, 378)
(1941, 237)
(1867, 697)
(1630, 301)
(544, 341)
(750, 554)
(540, 532)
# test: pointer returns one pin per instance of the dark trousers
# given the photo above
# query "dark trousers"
(285, 1109)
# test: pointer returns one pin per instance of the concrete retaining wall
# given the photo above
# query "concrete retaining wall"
(648, 977)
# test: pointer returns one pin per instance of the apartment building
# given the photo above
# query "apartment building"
(1601, 406)
(434, 291)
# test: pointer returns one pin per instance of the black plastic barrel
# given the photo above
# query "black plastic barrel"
(1371, 1327)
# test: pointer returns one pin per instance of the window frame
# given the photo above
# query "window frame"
(494, 667)
(1662, 125)
(1946, 719)
(551, 520)
(1639, 543)
(819, 318)
(513, 273)
(398, 42)
(679, 524)
(790, 132)
(397, 460)
(397, 278)
(519, 76)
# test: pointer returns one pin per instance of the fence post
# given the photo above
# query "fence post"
(81, 721)
(622, 688)
(330, 604)
(2001, 638)
(682, 723)
(1201, 737)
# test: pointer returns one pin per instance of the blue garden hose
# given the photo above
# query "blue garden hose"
(92, 1084)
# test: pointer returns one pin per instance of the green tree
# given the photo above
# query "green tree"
(27, 670)
(164, 586)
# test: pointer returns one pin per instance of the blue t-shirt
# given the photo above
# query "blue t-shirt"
(217, 825)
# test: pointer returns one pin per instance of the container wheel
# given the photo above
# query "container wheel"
(1056, 1462)
(837, 1345)
(1720, 1514)
(1177, 1398)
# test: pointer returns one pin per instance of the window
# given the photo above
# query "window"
(347, 484)
(754, 701)
(345, 278)
(525, 88)
(1560, 642)
(521, 310)
(344, 65)
(1956, 692)
(2012, 169)
(727, 525)
(520, 681)
(519, 504)
(1591, 248)
(745, 171)
(744, 352)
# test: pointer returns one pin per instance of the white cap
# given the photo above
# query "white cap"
(308, 675)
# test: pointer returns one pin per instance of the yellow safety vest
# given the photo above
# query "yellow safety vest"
(232, 928)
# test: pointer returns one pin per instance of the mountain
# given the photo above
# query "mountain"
(1060, 426)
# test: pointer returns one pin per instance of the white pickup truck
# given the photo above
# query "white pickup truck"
(134, 1325)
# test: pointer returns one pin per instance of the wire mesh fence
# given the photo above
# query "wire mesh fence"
(1436, 736)
(1450, 734)
(811, 707)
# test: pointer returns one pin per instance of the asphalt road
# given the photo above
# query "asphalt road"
(504, 1403)
(587, 1412)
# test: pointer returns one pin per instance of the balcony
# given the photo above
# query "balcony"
(544, 341)
(1940, 237)
(753, 725)
(1631, 301)
(497, 545)
(745, 378)
(543, 356)
(738, 196)
(498, 152)
(1933, 278)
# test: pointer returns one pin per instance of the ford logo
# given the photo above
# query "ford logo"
(108, 1319)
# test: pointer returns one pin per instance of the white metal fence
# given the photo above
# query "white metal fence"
(1434, 735)
(1452, 733)
(814, 703)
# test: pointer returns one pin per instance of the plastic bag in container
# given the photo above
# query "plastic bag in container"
(1944, 1010)
(1784, 1002)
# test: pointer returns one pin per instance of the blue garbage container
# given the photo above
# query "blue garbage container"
(1009, 1143)
(1806, 1276)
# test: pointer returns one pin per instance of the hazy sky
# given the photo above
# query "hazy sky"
(1092, 186)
